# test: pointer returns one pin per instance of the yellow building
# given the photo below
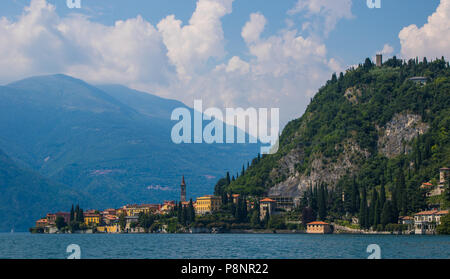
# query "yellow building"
(135, 210)
(109, 229)
(207, 204)
(92, 219)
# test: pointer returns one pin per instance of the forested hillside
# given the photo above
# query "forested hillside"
(26, 196)
(370, 134)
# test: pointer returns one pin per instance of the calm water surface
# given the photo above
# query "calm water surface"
(230, 246)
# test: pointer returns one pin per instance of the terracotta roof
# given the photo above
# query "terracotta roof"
(429, 212)
(406, 218)
(427, 184)
(317, 223)
(267, 200)
(442, 212)
(91, 215)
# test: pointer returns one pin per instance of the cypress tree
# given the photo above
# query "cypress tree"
(72, 214)
(386, 214)
(382, 196)
(184, 216)
(180, 212)
(322, 204)
(244, 209)
(77, 213)
(191, 213)
(355, 197)
(363, 214)
(373, 209)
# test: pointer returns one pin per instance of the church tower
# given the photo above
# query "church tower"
(183, 191)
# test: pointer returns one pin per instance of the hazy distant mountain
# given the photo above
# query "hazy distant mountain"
(26, 196)
(109, 141)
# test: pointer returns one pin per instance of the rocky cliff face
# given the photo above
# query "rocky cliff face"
(321, 169)
(395, 137)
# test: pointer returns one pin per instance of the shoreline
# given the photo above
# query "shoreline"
(283, 232)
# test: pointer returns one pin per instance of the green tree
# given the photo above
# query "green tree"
(363, 212)
(122, 221)
(191, 212)
(308, 216)
(444, 227)
(322, 203)
(387, 215)
(72, 214)
(60, 222)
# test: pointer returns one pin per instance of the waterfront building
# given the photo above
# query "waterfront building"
(425, 222)
(318, 227)
(109, 211)
(407, 220)
(110, 219)
(92, 219)
(207, 204)
(266, 207)
(42, 223)
(109, 229)
(167, 207)
(51, 217)
(136, 209)
(130, 220)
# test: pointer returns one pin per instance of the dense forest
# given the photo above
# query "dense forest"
(382, 188)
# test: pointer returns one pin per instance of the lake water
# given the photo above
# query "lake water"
(229, 246)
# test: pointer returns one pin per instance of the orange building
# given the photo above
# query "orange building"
(318, 227)
(41, 223)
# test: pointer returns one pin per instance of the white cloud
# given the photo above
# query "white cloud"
(387, 50)
(40, 42)
(324, 14)
(190, 46)
(171, 60)
(285, 71)
(253, 28)
(432, 39)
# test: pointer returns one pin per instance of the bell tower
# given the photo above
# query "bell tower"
(183, 190)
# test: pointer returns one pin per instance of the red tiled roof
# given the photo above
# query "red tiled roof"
(429, 212)
(91, 215)
(317, 223)
(267, 200)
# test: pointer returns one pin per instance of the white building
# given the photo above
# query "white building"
(425, 222)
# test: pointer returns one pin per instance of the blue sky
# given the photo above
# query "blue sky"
(352, 40)
(290, 49)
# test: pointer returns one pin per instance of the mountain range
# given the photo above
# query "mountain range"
(106, 145)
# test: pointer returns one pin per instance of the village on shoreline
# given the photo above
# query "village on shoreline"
(231, 213)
